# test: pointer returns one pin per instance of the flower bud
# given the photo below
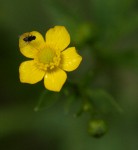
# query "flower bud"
(97, 128)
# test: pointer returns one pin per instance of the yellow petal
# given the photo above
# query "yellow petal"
(55, 79)
(70, 59)
(57, 38)
(29, 73)
(30, 43)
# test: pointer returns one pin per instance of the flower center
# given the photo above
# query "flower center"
(46, 55)
(47, 58)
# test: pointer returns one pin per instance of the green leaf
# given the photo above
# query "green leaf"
(72, 99)
(103, 102)
(47, 99)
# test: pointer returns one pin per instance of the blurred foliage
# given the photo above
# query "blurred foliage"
(103, 88)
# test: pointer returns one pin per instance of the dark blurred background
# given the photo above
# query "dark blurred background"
(105, 33)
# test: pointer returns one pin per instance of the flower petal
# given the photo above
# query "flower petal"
(70, 59)
(55, 79)
(29, 73)
(30, 43)
(57, 38)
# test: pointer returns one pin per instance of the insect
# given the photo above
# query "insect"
(29, 38)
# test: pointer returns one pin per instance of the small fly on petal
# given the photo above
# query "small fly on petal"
(29, 38)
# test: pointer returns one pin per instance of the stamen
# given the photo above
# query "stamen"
(47, 59)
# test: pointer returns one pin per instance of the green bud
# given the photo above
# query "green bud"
(97, 128)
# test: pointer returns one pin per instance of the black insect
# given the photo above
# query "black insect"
(29, 38)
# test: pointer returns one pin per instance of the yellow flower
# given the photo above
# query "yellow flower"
(49, 59)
